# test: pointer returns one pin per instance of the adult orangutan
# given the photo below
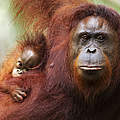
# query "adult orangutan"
(81, 77)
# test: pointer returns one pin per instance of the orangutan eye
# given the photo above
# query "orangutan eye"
(101, 38)
(19, 64)
(84, 37)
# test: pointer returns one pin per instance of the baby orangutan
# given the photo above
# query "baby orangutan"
(28, 60)
(29, 55)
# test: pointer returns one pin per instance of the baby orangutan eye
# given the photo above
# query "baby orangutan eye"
(19, 64)
(18, 69)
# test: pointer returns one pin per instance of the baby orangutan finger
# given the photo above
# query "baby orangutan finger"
(21, 92)
(19, 95)
(18, 98)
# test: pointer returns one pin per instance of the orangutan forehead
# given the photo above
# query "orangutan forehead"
(93, 24)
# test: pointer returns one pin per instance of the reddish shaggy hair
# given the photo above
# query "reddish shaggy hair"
(37, 14)
(56, 96)
(59, 31)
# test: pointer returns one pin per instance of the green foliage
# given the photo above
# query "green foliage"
(115, 4)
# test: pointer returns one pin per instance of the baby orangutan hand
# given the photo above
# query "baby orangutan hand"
(19, 94)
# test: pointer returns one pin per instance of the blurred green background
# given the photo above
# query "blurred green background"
(9, 32)
(7, 29)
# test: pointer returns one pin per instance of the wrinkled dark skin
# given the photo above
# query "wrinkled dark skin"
(92, 41)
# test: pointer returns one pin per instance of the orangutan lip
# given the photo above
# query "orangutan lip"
(95, 68)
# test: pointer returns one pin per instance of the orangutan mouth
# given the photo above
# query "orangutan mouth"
(91, 68)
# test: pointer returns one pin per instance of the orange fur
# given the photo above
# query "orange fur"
(92, 87)
(37, 14)
(56, 95)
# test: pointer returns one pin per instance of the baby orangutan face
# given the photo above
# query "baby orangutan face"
(28, 60)
(18, 69)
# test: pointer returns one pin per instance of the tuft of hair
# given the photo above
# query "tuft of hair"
(35, 41)
(38, 13)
